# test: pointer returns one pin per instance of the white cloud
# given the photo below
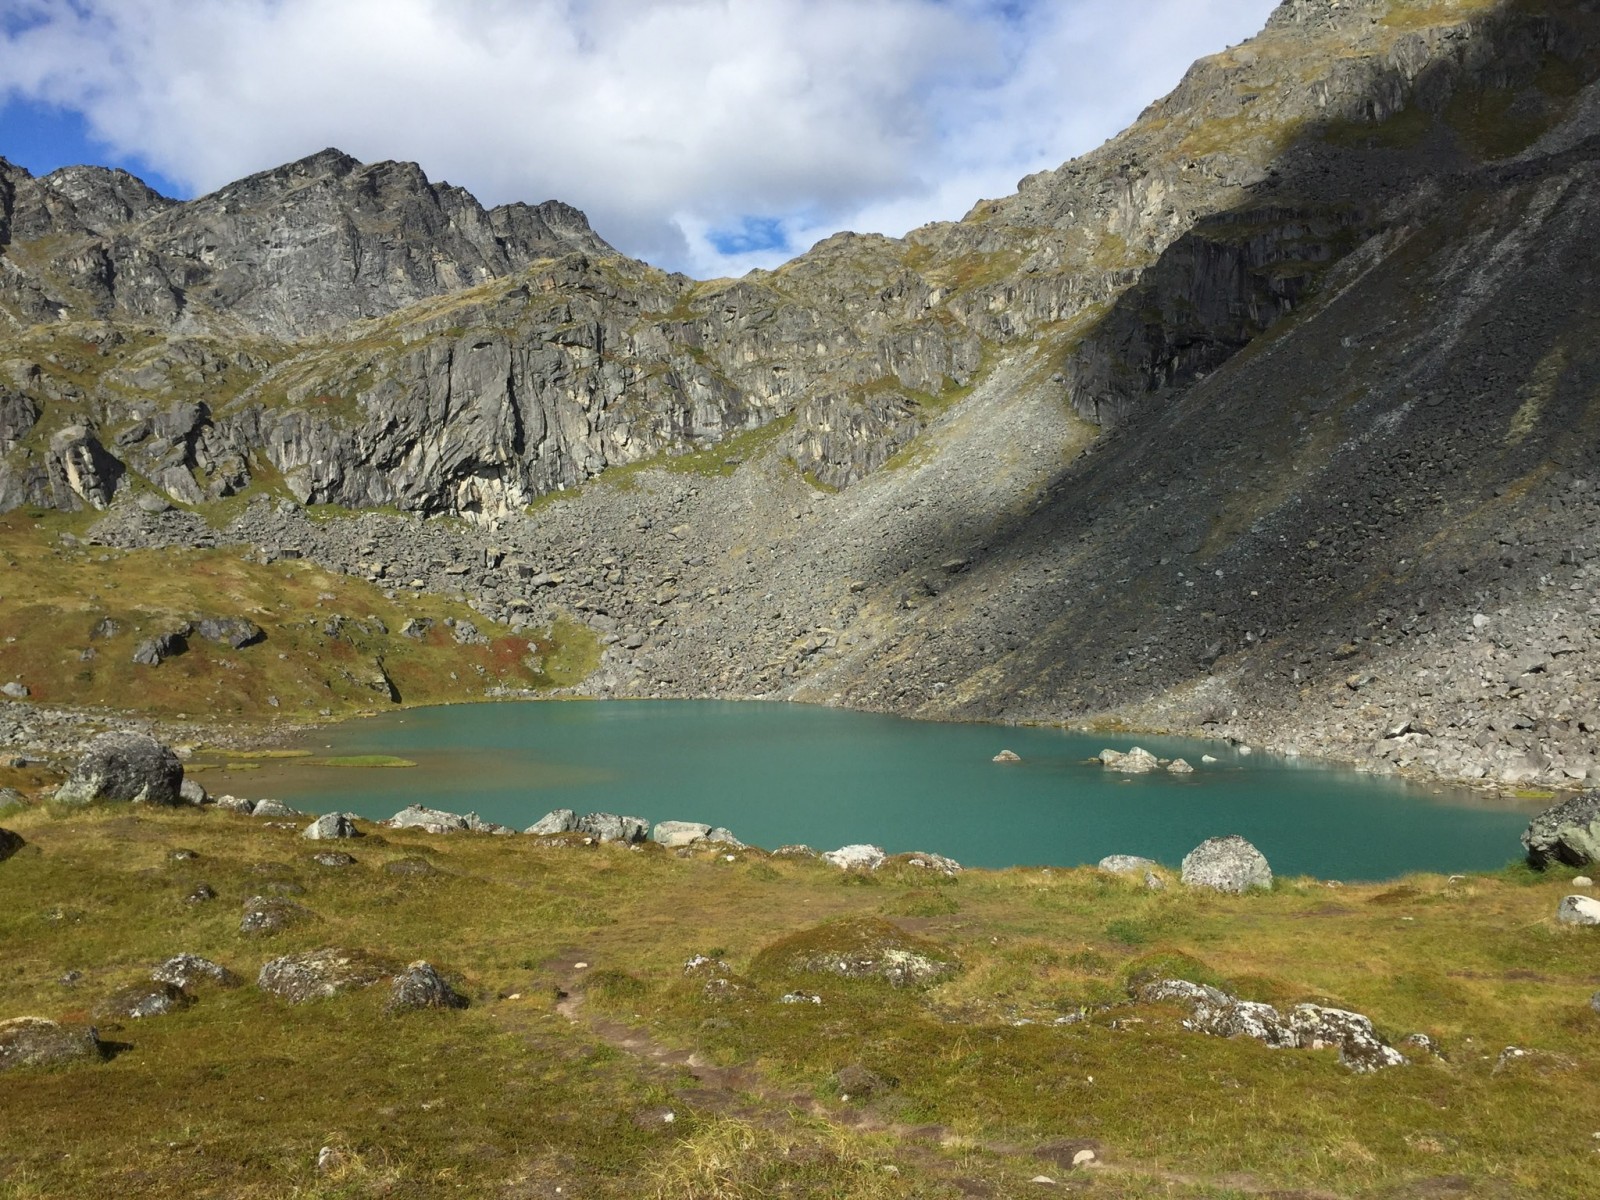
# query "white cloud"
(666, 120)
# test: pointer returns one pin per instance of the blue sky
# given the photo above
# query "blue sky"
(709, 136)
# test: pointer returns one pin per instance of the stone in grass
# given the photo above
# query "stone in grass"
(428, 820)
(858, 948)
(1568, 832)
(126, 767)
(1226, 864)
(420, 986)
(562, 820)
(265, 916)
(1125, 864)
(141, 1000)
(412, 866)
(238, 804)
(272, 808)
(194, 792)
(1579, 910)
(39, 1042)
(857, 857)
(857, 1082)
(10, 843)
(333, 858)
(11, 800)
(331, 826)
(189, 971)
(201, 893)
(673, 834)
(236, 632)
(320, 974)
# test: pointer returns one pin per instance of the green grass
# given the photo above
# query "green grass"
(363, 760)
(510, 1098)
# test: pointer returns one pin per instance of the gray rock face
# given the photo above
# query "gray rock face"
(420, 986)
(1226, 864)
(191, 971)
(609, 827)
(1567, 832)
(10, 843)
(194, 792)
(672, 834)
(1579, 910)
(36, 1041)
(154, 651)
(562, 820)
(331, 825)
(124, 767)
(268, 807)
(320, 974)
(141, 1000)
(236, 632)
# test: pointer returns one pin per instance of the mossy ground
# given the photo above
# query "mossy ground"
(561, 1076)
(53, 594)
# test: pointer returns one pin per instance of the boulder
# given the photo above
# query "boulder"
(15, 690)
(1007, 756)
(11, 800)
(334, 858)
(267, 915)
(238, 804)
(1226, 864)
(124, 767)
(857, 857)
(1178, 767)
(201, 893)
(10, 843)
(420, 986)
(1579, 910)
(609, 827)
(562, 820)
(230, 631)
(319, 974)
(1125, 864)
(724, 837)
(272, 808)
(154, 651)
(428, 820)
(925, 860)
(36, 1041)
(193, 792)
(140, 1000)
(672, 834)
(413, 866)
(1568, 832)
(188, 971)
(1137, 761)
(795, 850)
(1360, 1048)
(330, 826)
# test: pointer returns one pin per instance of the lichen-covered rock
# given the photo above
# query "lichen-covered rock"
(193, 792)
(319, 974)
(236, 632)
(1226, 864)
(1125, 864)
(609, 827)
(924, 860)
(189, 971)
(272, 808)
(140, 1000)
(1568, 832)
(859, 948)
(857, 857)
(562, 820)
(333, 858)
(428, 820)
(420, 986)
(130, 767)
(1360, 1047)
(331, 826)
(37, 1042)
(267, 915)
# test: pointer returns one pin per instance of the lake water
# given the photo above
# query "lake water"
(781, 773)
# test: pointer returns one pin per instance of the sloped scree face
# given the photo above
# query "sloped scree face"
(859, 948)
(127, 767)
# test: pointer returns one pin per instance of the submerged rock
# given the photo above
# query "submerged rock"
(1226, 864)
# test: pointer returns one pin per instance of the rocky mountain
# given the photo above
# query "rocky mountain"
(1273, 417)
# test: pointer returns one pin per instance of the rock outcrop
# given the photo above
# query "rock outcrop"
(1566, 832)
(124, 767)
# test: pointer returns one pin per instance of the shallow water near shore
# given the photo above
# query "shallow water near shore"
(782, 773)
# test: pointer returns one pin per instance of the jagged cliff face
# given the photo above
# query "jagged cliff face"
(1196, 426)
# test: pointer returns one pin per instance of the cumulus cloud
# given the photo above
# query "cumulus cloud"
(707, 135)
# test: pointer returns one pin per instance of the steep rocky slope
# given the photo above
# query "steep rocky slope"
(1274, 416)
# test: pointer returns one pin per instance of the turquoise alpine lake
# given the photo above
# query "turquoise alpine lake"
(777, 774)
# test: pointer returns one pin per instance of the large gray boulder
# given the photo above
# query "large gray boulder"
(421, 986)
(1568, 832)
(679, 833)
(562, 820)
(36, 1041)
(428, 820)
(124, 767)
(1579, 910)
(609, 827)
(1226, 864)
(330, 826)
(857, 857)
